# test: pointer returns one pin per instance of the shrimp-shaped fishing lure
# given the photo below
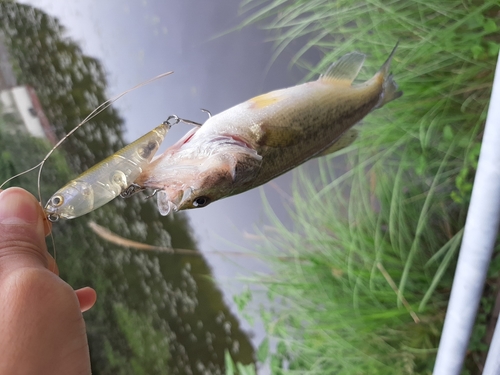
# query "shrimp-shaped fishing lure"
(107, 179)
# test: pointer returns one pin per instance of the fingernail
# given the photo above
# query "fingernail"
(18, 207)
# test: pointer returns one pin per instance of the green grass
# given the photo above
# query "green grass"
(361, 282)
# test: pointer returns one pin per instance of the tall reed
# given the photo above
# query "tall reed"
(362, 280)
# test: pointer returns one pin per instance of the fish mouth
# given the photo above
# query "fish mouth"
(195, 167)
(167, 204)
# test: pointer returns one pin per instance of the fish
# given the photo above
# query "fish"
(253, 142)
(107, 179)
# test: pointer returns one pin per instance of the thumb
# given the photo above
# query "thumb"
(22, 232)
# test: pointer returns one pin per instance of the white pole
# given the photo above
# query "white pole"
(479, 238)
(492, 365)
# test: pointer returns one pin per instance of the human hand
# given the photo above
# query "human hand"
(42, 330)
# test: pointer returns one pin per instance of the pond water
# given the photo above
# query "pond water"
(215, 67)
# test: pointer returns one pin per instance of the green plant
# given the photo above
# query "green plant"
(362, 280)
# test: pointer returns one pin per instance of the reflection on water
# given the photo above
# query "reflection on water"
(154, 311)
(175, 292)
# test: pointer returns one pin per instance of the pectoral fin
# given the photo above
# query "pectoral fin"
(344, 141)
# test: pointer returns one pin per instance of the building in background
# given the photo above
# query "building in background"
(21, 108)
(19, 105)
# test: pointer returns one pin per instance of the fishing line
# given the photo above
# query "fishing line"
(102, 107)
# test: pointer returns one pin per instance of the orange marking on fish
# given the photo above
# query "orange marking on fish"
(264, 100)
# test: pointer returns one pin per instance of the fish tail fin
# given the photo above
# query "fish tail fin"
(345, 69)
(390, 89)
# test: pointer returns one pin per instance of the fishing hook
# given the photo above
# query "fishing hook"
(153, 193)
(207, 112)
(190, 122)
(176, 119)
(132, 189)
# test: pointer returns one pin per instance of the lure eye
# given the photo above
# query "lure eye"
(56, 201)
(201, 202)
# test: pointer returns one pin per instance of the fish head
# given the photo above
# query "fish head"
(199, 170)
(196, 186)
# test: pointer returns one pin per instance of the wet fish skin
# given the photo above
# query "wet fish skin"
(266, 136)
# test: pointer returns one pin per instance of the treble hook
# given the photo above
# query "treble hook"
(134, 188)
(131, 190)
(207, 112)
(190, 122)
(153, 193)
(177, 119)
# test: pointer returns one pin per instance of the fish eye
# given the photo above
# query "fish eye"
(56, 201)
(201, 201)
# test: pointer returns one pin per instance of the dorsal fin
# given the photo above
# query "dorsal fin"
(345, 69)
